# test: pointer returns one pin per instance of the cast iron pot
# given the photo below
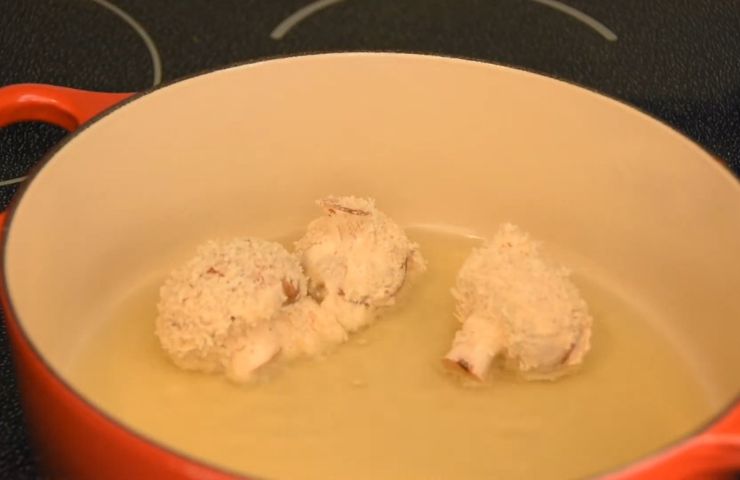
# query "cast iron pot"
(441, 141)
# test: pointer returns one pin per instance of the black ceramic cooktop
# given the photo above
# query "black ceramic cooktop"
(679, 60)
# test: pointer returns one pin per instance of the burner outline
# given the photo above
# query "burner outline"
(578, 15)
(12, 181)
(300, 15)
(148, 42)
(303, 13)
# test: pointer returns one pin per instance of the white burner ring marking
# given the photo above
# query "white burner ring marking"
(303, 13)
(591, 22)
(298, 16)
(12, 181)
(153, 52)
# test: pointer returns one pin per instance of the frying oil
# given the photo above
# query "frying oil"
(383, 406)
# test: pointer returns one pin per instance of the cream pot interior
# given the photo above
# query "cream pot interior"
(443, 142)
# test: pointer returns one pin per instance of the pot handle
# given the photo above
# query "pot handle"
(712, 454)
(65, 107)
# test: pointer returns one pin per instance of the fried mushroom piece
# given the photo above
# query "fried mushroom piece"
(512, 303)
(356, 259)
(216, 313)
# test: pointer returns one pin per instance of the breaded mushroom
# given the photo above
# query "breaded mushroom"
(514, 304)
(356, 259)
(217, 312)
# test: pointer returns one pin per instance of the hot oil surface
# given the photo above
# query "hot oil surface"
(382, 406)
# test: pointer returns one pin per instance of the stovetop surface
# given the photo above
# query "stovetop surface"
(678, 60)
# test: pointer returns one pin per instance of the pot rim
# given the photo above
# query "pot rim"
(153, 443)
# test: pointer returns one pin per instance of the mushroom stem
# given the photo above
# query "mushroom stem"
(475, 346)
(260, 347)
